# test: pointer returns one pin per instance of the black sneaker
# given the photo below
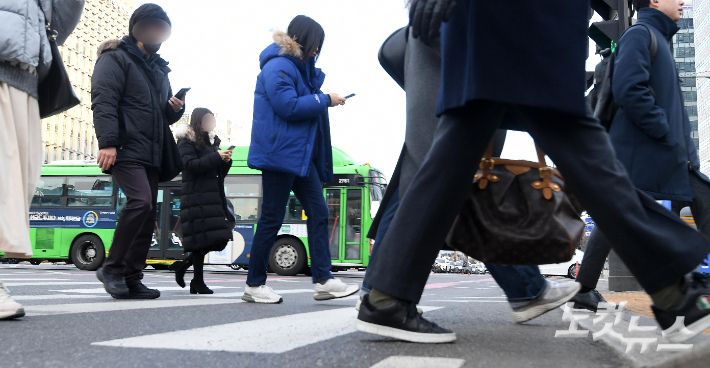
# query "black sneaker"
(589, 300)
(693, 315)
(113, 284)
(400, 320)
(139, 291)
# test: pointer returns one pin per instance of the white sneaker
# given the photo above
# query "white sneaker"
(9, 308)
(261, 294)
(333, 289)
(555, 295)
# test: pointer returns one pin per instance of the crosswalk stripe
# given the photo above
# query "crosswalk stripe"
(419, 362)
(58, 296)
(52, 283)
(161, 288)
(268, 335)
(55, 309)
(32, 279)
(240, 293)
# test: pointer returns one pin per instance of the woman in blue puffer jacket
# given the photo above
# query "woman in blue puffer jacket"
(290, 144)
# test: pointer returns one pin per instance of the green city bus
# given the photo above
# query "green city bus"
(75, 208)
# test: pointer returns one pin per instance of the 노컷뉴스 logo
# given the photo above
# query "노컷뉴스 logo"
(90, 219)
(703, 302)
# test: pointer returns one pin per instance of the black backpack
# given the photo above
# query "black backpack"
(605, 106)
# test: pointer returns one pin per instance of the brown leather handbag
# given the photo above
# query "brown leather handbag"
(517, 213)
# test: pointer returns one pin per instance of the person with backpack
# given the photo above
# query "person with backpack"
(482, 81)
(290, 144)
(133, 104)
(650, 130)
(25, 62)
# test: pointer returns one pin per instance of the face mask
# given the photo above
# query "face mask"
(152, 48)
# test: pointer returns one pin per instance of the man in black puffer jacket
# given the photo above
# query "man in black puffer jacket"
(132, 101)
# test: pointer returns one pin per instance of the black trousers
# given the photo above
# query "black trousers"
(598, 246)
(136, 222)
(638, 227)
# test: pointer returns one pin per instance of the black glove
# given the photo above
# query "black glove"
(425, 17)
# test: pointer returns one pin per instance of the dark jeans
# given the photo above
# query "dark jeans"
(636, 225)
(277, 188)
(134, 230)
(598, 245)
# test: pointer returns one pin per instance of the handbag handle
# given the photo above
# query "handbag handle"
(489, 162)
(546, 173)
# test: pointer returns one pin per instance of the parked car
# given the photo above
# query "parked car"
(567, 269)
(441, 265)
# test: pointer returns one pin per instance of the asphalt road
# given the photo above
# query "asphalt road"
(71, 322)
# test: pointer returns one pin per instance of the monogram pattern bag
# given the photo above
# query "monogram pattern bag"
(517, 213)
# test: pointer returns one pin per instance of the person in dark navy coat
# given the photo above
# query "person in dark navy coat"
(650, 133)
(528, 61)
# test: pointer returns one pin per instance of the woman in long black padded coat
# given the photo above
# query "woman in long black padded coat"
(203, 206)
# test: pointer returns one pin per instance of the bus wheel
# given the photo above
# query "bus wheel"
(88, 252)
(35, 262)
(161, 267)
(287, 257)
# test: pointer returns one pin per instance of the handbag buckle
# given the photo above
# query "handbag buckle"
(487, 162)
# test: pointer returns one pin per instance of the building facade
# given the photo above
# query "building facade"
(684, 52)
(70, 135)
(701, 17)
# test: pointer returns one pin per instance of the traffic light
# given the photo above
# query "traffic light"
(616, 15)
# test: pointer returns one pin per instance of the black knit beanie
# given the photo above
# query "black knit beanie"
(147, 11)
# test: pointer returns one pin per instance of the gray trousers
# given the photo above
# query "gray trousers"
(598, 246)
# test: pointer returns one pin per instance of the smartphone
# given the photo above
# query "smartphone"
(181, 93)
(230, 148)
(350, 95)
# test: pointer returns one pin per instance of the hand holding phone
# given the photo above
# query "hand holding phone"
(181, 93)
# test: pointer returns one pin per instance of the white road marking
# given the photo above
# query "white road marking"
(419, 362)
(45, 310)
(269, 335)
(240, 293)
(32, 279)
(52, 283)
(479, 297)
(58, 296)
(161, 288)
(469, 301)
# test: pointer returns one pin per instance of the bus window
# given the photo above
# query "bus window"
(175, 242)
(245, 193)
(49, 191)
(352, 228)
(89, 191)
(332, 199)
(155, 242)
(294, 210)
(245, 208)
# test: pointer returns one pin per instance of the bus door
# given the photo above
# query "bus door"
(167, 232)
(345, 224)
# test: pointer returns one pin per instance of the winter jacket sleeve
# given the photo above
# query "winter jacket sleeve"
(281, 90)
(65, 16)
(172, 115)
(107, 83)
(225, 166)
(632, 71)
(194, 164)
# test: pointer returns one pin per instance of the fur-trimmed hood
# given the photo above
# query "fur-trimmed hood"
(186, 132)
(108, 46)
(288, 45)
